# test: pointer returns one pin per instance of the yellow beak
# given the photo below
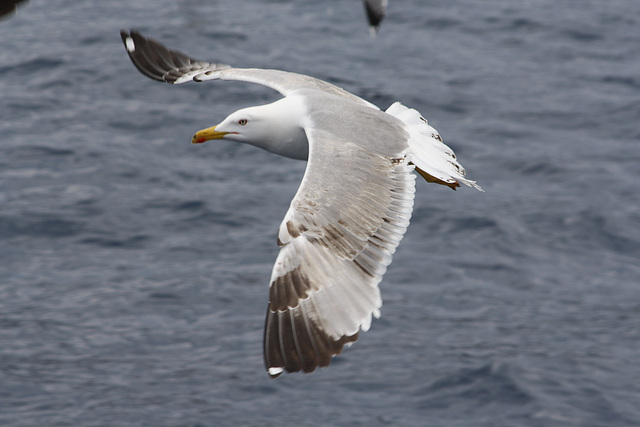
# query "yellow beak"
(207, 134)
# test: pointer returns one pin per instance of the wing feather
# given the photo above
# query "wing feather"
(337, 239)
(158, 62)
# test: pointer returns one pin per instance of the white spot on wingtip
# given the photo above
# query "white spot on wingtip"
(276, 370)
(131, 46)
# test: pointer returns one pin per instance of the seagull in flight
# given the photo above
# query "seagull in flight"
(350, 211)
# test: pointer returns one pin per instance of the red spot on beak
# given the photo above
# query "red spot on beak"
(199, 140)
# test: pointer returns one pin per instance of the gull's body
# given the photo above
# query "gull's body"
(351, 210)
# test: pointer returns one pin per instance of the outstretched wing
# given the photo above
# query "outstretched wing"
(156, 61)
(344, 223)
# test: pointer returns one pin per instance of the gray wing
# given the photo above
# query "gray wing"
(337, 238)
(158, 62)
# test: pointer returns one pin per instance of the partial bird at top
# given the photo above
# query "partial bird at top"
(376, 9)
(351, 210)
(9, 7)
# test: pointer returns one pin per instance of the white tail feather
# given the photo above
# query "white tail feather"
(427, 150)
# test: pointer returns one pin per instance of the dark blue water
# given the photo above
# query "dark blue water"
(134, 267)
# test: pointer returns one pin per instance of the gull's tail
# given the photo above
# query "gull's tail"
(434, 160)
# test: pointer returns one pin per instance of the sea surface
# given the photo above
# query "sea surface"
(134, 267)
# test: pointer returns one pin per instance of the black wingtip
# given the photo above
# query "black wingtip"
(136, 44)
(124, 35)
(152, 58)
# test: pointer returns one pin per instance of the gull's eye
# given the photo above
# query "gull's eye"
(242, 122)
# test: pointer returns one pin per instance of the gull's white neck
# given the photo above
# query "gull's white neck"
(281, 127)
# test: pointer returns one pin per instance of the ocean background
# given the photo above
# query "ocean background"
(134, 267)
